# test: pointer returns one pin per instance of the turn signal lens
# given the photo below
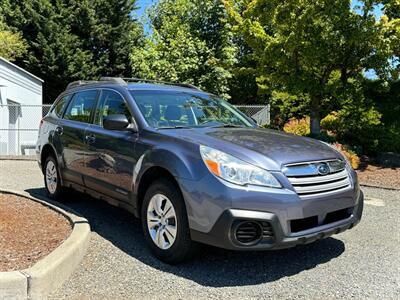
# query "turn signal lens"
(213, 167)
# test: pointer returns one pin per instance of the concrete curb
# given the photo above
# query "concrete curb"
(18, 157)
(50, 272)
(380, 187)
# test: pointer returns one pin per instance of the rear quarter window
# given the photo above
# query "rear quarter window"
(60, 105)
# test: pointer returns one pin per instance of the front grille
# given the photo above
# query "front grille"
(298, 225)
(307, 180)
(303, 224)
(338, 215)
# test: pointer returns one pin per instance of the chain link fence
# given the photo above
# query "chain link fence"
(259, 113)
(19, 125)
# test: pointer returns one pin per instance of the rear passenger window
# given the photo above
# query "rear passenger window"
(60, 105)
(81, 106)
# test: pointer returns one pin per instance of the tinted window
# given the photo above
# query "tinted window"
(111, 103)
(60, 105)
(81, 106)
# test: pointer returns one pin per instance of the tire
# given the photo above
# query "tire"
(174, 250)
(54, 189)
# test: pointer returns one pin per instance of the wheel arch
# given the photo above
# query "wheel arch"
(149, 176)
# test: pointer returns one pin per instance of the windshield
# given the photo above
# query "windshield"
(166, 109)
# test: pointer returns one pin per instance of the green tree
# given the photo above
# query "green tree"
(310, 47)
(189, 42)
(243, 86)
(71, 39)
(391, 20)
(12, 45)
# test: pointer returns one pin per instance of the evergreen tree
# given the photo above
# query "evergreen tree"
(73, 39)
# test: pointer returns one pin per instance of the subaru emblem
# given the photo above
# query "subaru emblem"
(323, 169)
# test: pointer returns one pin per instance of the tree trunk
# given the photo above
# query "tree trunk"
(315, 117)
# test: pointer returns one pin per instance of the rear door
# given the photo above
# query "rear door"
(70, 132)
(110, 159)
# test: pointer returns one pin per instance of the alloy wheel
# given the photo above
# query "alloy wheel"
(161, 221)
(51, 177)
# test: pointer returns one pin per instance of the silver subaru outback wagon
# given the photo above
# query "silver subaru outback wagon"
(193, 168)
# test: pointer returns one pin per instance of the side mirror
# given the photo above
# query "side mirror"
(116, 122)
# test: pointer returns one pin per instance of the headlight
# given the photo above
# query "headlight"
(235, 170)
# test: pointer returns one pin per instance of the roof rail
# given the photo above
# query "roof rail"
(124, 81)
(186, 85)
(113, 79)
(77, 83)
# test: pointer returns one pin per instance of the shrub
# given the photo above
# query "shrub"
(298, 126)
(349, 154)
(367, 136)
(285, 106)
(360, 127)
(382, 139)
(330, 123)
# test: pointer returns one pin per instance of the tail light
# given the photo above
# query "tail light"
(41, 123)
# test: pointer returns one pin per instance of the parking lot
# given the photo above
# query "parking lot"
(363, 263)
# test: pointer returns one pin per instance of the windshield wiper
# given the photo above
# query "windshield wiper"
(174, 127)
(226, 126)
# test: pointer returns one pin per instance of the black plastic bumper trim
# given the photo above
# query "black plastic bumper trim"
(221, 235)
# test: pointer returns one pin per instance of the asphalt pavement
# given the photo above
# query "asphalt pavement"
(362, 263)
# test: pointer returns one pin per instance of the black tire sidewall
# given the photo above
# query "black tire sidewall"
(182, 247)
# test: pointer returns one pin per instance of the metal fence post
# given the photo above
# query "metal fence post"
(18, 131)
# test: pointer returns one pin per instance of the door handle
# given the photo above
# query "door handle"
(90, 139)
(59, 130)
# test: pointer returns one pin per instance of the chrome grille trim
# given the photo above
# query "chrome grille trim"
(322, 187)
(316, 179)
(307, 182)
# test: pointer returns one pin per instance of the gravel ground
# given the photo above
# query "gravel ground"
(363, 263)
(375, 175)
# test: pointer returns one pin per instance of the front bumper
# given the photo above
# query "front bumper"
(222, 233)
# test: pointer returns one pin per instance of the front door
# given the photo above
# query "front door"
(70, 132)
(109, 160)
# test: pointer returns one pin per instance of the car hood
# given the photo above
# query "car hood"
(260, 146)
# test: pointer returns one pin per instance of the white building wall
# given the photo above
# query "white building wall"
(18, 87)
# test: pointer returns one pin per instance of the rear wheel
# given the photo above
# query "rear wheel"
(52, 178)
(165, 223)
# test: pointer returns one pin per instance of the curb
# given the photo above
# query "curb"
(18, 157)
(379, 187)
(50, 272)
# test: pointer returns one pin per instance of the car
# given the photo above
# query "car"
(194, 168)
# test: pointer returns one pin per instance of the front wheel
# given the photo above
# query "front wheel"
(52, 178)
(165, 223)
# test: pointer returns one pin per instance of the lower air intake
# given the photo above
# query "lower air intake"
(248, 232)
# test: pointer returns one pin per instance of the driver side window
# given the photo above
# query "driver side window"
(111, 103)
